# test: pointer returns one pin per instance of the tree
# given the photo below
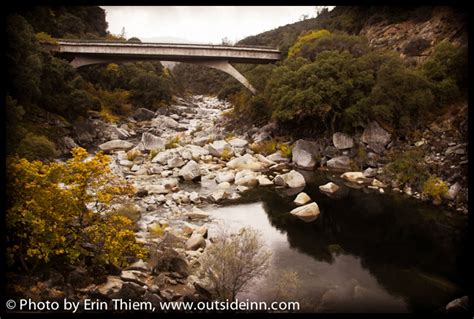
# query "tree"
(233, 261)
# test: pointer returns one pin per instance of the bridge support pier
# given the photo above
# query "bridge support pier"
(226, 67)
(222, 65)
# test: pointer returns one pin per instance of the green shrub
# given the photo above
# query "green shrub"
(305, 38)
(435, 188)
(172, 142)
(157, 230)
(38, 147)
(408, 167)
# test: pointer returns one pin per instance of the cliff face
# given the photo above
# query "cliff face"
(415, 40)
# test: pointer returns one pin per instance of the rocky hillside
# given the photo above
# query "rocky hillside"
(416, 40)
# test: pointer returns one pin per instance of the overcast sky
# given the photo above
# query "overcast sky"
(200, 24)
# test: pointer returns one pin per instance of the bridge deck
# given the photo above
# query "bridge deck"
(168, 51)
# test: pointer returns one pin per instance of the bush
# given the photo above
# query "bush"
(37, 147)
(435, 188)
(233, 261)
(173, 142)
(416, 46)
(408, 167)
(61, 211)
(305, 38)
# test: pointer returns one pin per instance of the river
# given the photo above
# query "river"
(366, 252)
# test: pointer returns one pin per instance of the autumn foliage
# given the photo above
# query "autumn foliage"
(62, 211)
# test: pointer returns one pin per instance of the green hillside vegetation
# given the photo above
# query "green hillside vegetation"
(334, 81)
(47, 89)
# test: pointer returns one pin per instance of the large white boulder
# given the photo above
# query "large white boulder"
(307, 212)
(220, 148)
(115, 145)
(292, 179)
(190, 171)
(246, 161)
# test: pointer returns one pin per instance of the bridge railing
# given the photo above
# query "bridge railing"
(164, 43)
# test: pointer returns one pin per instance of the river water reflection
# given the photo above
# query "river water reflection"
(366, 252)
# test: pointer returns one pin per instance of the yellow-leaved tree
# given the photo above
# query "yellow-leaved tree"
(61, 210)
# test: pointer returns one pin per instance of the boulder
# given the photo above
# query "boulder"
(225, 176)
(376, 137)
(223, 185)
(329, 188)
(220, 149)
(246, 161)
(370, 172)
(355, 177)
(264, 181)
(197, 151)
(238, 142)
(246, 178)
(163, 157)
(139, 265)
(377, 183)
(169, 122)
(292, 179)
(453, 191)
(190, 171)
(152, 142)
(218, 195)
(197, 213)
(307, 212)
(339, 163)
(129, 291)
(115, 145)
(458, 306)
(143, 114)
(176, 161)
(132, 276)
(305, 153)
(342, 141)
(301, 199)
(157, 189)
(195, 242)
(112, 286)
(278, 158)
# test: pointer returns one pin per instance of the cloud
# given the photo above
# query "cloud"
(201, 24)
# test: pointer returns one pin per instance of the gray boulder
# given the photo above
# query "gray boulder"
(238, 142)
(152, 142)
(342, 141)
(339, 163)
(190, 171)
(115, 145)
(195, 242)
(306, 153)
(376, 137)
(143, 114)
(226, 176)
